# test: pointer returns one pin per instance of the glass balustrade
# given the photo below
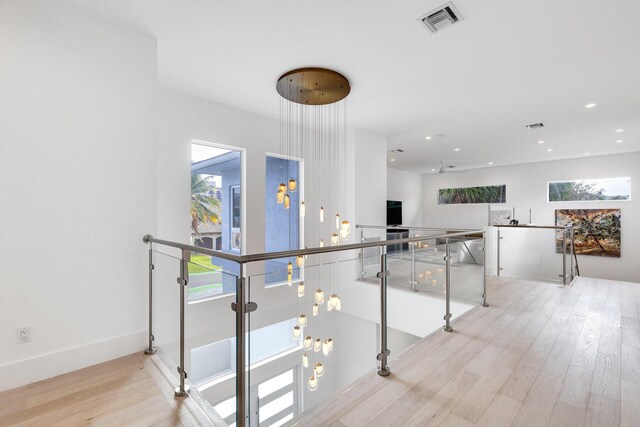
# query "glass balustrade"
(534, 253)
(270, 347)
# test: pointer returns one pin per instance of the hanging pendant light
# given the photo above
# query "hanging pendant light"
(317, 345)
(325, 347)
(313, 383)
(321, 214)
(282, 187)
(303, 211)
(315, 309)
(289, 278)
(344, 235)
(300, 289)
(290, 267)
(321, 243)
(286, 201)
(280, 197)
(296, 332)
(319, 296)
(334, 239)
(302, 320)
(434, 282)
(307, 344)
(337, 221)
(334, 303)
(330, 341)
(300, 261)
(346, 226)
(318, 369)
(293, 186)
(305, 360)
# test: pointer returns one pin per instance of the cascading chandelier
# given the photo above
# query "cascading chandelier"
(313, 127)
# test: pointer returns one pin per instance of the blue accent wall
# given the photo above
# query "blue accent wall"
(281, 225)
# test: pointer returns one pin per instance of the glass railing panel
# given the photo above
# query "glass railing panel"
(429, 267)
(166, 304)
(530, 253)
(208, 278)
(341, 344)
(211, 337)
(466, 273)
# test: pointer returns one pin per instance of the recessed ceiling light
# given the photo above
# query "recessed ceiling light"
(549, 149)
(540, 142)
(490, 163)
(619, 130)
(433, 170)
(587, 154)
(619, 141)
(456, 149)
(392, 160)
(427, 138)
(591, 105)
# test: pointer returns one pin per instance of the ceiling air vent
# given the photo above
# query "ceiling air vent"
(441, 17)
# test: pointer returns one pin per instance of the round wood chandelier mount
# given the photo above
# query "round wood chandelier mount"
(313, 86)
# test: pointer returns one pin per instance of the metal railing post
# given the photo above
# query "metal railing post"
(383, 369)
(362, 271)
(498, 254)
(564, 256)
(241, 387)
(571, 272)
(182, 390)
(413, 281)
(150, 348)
(484, 269)
(447, 289)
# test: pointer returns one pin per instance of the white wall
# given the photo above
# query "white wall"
(406, 187)
(527, 188)
(77, 188)
(370, 178)
(93, 156)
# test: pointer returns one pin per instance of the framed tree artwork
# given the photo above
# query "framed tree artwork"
(596, 231)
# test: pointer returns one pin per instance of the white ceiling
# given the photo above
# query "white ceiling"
(478, 83)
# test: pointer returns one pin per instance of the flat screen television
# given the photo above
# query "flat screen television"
(394, 212)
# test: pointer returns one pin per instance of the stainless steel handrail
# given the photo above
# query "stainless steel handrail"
(408, 227)
(555, 227)
(243, 259)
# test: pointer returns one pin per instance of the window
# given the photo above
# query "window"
(215, 218)
(606, 189)
(282, 226)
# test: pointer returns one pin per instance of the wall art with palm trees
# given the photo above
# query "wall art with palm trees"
(485, 194)
(595, 231)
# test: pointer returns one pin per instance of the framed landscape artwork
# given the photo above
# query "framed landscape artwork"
(595, 231)
(485, 194)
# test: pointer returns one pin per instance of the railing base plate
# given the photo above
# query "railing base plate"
(181, 393)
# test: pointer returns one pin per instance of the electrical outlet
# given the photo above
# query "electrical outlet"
(24, 335)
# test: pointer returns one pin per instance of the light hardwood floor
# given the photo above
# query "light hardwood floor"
(133, 390)
(540, 355)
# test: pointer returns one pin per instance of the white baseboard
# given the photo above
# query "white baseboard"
(38, 368)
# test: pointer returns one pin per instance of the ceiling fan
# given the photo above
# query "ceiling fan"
(447, 168)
